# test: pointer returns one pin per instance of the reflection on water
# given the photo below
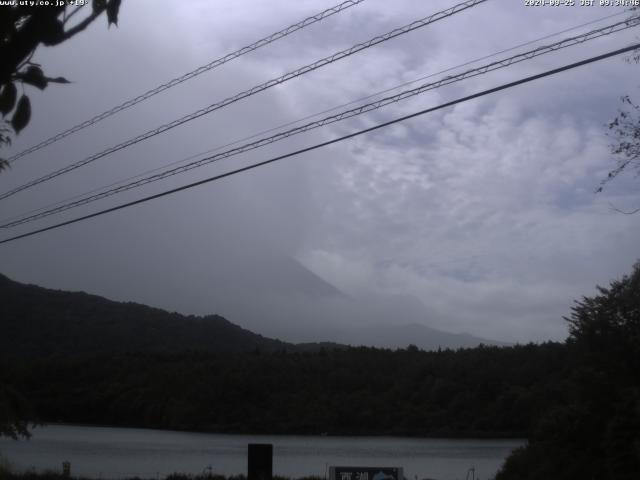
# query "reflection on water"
(118, 452)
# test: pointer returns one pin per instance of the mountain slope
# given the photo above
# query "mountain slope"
(40, 322)
(37, 322)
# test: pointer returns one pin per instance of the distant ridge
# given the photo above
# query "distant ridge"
(40, 322)
(401, 336)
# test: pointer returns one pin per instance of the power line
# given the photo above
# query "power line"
(565, 43)
(307, 117)
(330, 142)
(257, 89)
(189, 75)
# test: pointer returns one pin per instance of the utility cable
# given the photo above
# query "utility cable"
(579, 39)
(189, 75)
(259, 88)
(330, 142)
(307, 117)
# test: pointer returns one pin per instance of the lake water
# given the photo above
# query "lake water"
(103, 452)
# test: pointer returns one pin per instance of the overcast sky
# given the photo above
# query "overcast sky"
(483, 214)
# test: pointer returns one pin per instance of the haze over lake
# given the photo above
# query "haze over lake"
(104, 452)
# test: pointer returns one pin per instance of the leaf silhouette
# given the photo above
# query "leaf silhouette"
(35, 76)
(8, 98)
(113, 7)
(58, 80)
(22, 115)
(98, 5)
(51, 31)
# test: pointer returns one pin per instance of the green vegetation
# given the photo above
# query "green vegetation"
(577, 402)
(5, 468)
(40, 323)
(594, 432)
(23, 28)
(14, 413)
(483, 392)
(85, 359)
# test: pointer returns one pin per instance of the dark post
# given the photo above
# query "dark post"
(260, 461)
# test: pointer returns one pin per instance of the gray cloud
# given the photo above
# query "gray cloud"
(484, 213)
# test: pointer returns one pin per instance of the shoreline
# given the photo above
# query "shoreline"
(496, 436)
(58, 475)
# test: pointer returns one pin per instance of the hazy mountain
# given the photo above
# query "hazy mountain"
(294, 305)
(299, 306)
(397, 321)
(284, 299)
(401, 336)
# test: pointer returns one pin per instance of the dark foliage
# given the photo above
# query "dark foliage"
(596, 433)
(23, 28)
(624, 131)
(84, 359)
(14, 412)
(482, 392)
(38, 322)
(578, 403)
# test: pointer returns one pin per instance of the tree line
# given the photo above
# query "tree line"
(577, 402)
(481, 392)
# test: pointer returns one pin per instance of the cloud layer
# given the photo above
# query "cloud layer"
(484, 212)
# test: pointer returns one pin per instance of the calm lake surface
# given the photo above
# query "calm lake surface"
(103, 452)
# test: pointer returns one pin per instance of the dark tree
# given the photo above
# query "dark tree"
(595, 431)
(624, 132)
(22, 30)
(14, 413)
(607, 326)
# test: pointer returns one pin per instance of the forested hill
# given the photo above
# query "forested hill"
(39, 322)
(577, 402)
(481, 392)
